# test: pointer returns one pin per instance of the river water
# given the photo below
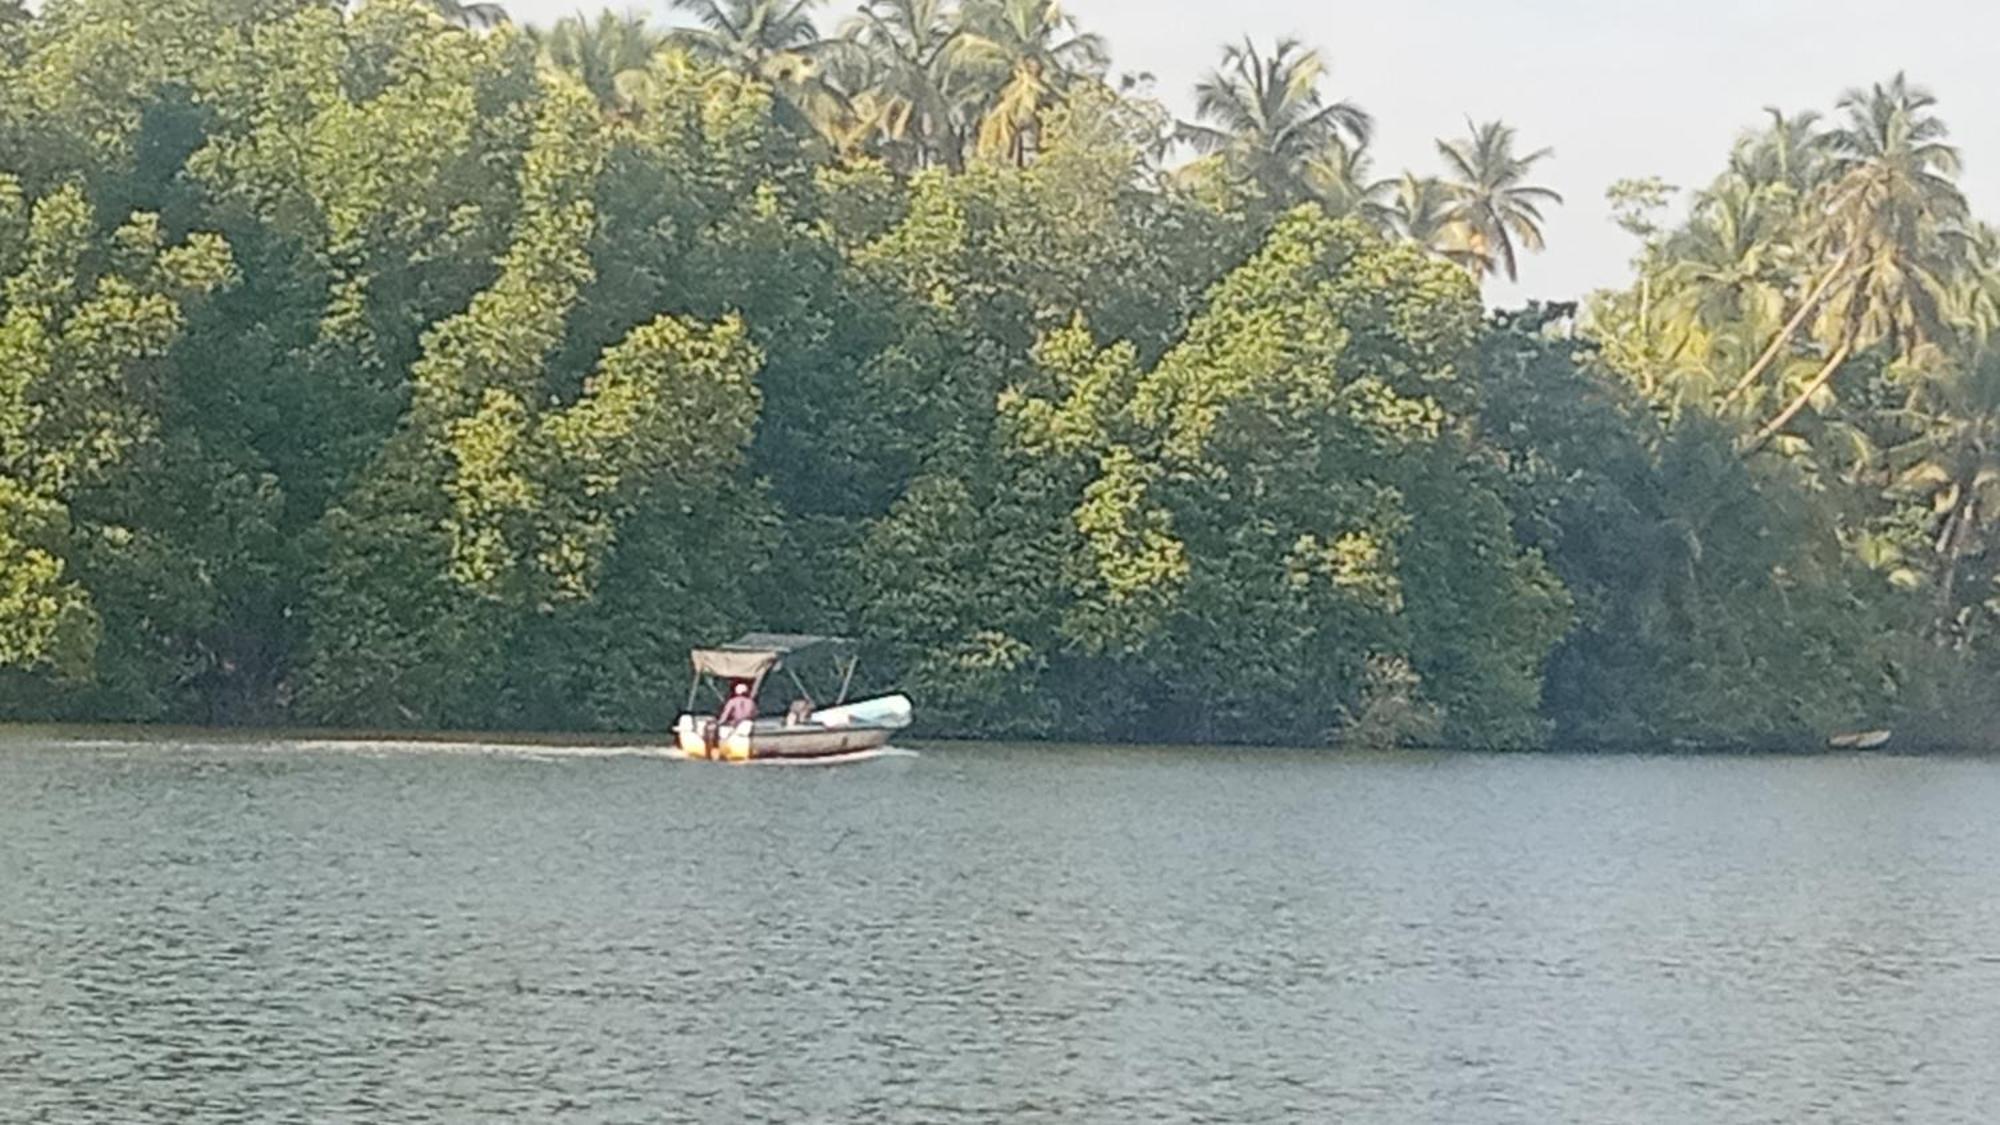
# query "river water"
(215, 929)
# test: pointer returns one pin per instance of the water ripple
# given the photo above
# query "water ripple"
(231, 930)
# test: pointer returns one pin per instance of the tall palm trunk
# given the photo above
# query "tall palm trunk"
(1951, 545)
(1791, 327)
(1792, 408)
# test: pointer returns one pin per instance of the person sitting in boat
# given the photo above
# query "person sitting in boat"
(739, 708)
(800, 712)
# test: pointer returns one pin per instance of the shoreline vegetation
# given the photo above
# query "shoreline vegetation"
(66, 735)
(395, 367)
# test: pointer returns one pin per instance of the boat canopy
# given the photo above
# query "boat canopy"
(753, 655)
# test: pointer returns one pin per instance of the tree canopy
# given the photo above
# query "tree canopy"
(394, 365)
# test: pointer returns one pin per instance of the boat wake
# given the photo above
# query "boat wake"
(391, 747)
(539, 751)
(356, 745)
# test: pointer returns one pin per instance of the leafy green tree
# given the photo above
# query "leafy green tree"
(965, 604)
(424, 556)
(1713, 604)
(358, 369)
(14, 20)
(84, 321)
(1261, 502)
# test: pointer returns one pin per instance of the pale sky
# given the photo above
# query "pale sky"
(1618, 89)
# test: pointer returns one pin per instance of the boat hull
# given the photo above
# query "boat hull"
(798, 743)
(676, 754)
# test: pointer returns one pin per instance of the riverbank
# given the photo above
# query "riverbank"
(88, 734)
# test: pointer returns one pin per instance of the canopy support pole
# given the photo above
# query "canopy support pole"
(797, 683)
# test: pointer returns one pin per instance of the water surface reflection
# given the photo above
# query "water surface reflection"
(232, 930)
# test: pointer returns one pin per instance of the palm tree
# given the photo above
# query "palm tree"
(1030, 51)
(1954, 459)
(1892, 211)
(608, 55)
(1728, 263)
(1790, 152)
(853, 114)
(906, 84)
(1895, 195)
(1892, 151)
(1265, 116)
(776, 43)
(476, 16)
(1424, 211)
(1788, 161)
(1722, 282)
(1487, 181)
(1340, 177)
(765, 39)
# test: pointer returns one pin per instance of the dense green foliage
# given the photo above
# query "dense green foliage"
(373, 367)
(1829, 304)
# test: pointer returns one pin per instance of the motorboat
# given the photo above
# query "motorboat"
(843, 730)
